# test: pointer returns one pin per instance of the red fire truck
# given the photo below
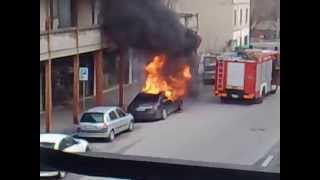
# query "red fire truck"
(248, 75)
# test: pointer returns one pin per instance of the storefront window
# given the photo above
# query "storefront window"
(109, 70)
(62, 79)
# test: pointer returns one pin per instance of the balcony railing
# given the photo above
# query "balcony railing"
(63, 42)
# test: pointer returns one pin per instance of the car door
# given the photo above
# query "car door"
(172, 105)
(168, 104)
(164, 103)
(124, 120)
(115, 121)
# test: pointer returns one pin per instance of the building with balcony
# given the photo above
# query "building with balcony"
(70, 38)
(223, 24)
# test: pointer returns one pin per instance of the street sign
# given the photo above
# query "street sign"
(83, 74)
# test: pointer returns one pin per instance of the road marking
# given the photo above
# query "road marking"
(267, 161)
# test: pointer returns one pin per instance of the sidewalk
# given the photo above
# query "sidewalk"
(62, 117)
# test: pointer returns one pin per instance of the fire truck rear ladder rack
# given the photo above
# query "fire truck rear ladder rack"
(220, 75)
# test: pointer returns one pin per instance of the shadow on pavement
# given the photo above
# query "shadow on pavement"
(138, 121)
(105, 140)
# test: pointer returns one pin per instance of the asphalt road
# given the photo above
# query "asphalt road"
(207, 131)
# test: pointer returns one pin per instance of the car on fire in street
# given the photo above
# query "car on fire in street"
(64, 143)
(153, 106)
(104, 122)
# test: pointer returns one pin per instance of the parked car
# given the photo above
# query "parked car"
(64, 143)
(153, 106)
(104, 122)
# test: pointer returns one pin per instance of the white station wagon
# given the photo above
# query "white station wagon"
(104, 122)
(64, 143)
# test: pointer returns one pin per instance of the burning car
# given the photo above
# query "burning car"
(153, 106)
(162, 93)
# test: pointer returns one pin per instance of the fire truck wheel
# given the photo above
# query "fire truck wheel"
(259, 100)
(223, 99)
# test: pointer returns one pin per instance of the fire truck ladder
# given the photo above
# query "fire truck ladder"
(220, 75)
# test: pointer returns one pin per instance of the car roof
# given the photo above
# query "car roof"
(52, 138)
(150, 95)
(102, 109)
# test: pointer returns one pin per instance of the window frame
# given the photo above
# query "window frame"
(241, 16)
(109, 114)
(234, 17)
(119, 114)
(89, 113)
(246, 40)
(247, 15)
(54, 11)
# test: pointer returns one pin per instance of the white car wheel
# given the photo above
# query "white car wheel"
(111, 136)
(131, 126)
(62, 174)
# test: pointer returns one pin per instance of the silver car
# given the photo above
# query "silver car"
(104, 122)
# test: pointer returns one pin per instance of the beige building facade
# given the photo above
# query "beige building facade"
(223, 24)
(70, 38)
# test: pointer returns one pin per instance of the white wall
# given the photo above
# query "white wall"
(43, 14)
(215, 21)
(64, 43)
(240, 34)
(238, 8)
(242, 28)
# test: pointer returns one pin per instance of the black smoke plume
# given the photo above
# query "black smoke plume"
(148, 25)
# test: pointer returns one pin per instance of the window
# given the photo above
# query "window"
(209, 60)
(109, 69)
(247, 16)
(240, 17)
(66, 142)
(63, 13)
(246, 40)
(92, 118)
(112, 115)
(235, 17)
(120, 113)
(93, 12)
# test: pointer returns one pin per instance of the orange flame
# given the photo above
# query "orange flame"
(173, 86)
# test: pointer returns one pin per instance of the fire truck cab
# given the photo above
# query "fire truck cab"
(248, 75)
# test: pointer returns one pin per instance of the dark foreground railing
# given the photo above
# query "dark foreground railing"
(137, 167)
